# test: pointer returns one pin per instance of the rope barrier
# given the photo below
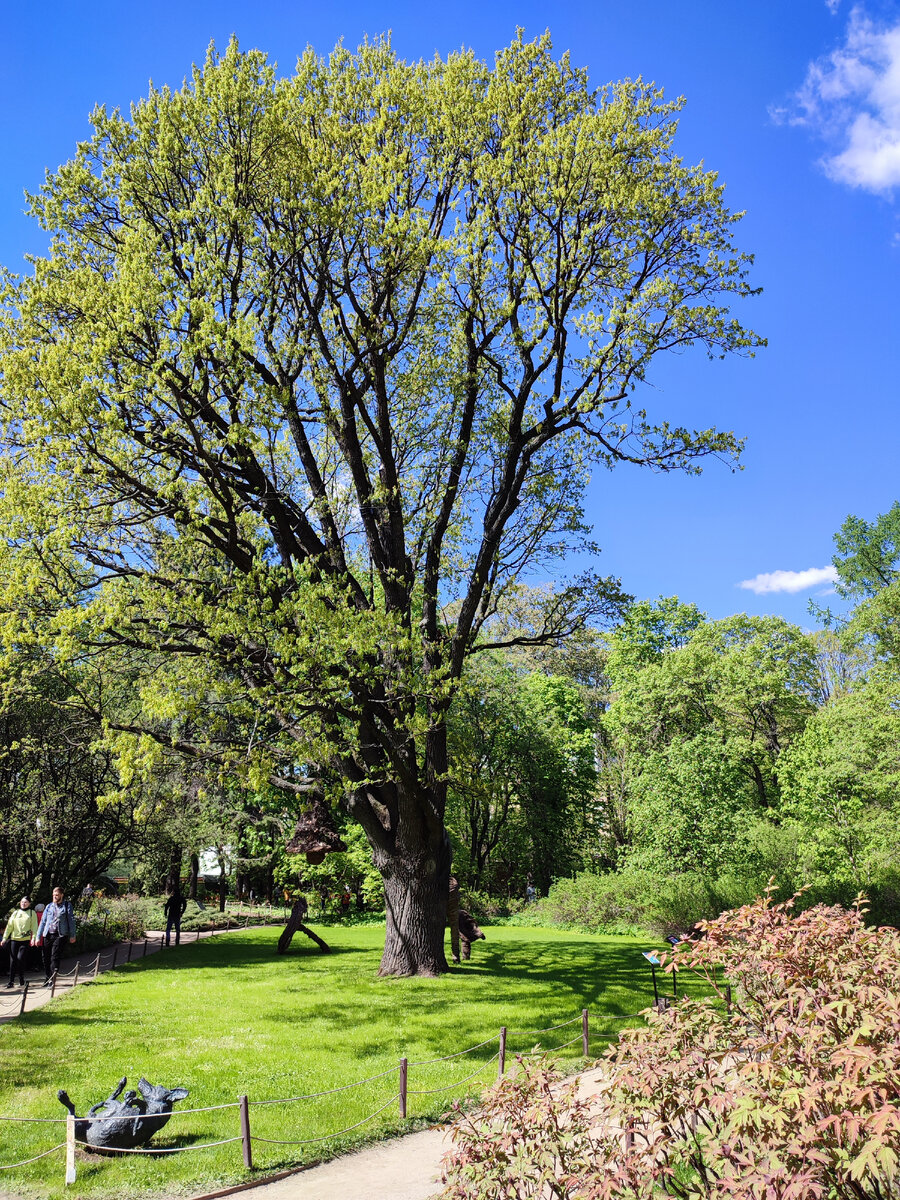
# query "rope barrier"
(424, 1062)
(36, 1120)
(548, 1029)
(551, 1049)
(546, 1049)
(328, 1092)
(176, 1112)
(456, 1082)
(26, 1161)
(244, 1104)
(167, 1150)
(326, 1136)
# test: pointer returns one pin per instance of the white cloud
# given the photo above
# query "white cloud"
(789, 581)
(851, 98)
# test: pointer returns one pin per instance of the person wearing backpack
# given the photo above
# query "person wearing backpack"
(57, 924)
(21, 930)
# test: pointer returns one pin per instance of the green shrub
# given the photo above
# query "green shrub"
(613, 903)
(116, 919)
(486, 909)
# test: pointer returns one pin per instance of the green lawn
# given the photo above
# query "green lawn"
(228, 1015)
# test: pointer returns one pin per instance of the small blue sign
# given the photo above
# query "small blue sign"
(651, 958)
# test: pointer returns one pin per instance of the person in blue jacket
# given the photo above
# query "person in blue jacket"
(57, 924)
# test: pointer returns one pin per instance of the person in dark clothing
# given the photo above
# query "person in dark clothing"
(174, 910)
(57, 924)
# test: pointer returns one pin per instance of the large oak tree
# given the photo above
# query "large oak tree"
(314, 368)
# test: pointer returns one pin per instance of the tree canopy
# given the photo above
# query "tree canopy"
(314, 368)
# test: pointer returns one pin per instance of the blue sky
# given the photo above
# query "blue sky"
(796, 105)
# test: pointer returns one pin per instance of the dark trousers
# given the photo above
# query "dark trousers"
(53, 948)
(18, 953)
(174, 922)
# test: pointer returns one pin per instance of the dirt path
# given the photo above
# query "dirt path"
(38, 995)
(405, 1168)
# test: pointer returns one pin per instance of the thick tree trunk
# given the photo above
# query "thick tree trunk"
(173, 879)
(192, 877)
(416, 888)
(223, 880)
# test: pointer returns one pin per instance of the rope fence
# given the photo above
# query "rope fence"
(326, 1136)
(26, 1161)
(165, 1149)
(455, 1083)
(243, 1104)
(85, 973)
(330, 1091)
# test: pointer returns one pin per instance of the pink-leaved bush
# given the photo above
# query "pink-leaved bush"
(791, 1094)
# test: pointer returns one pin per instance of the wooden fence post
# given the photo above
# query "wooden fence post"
(53, 985)
(146, 941)
(70, 1149)
(75, 976)
(24, 998)
(404, 1068)
(584, 1032)
(115, 957)
(246, 1144)
(97, 965)
(501, 1063)
(130, 945)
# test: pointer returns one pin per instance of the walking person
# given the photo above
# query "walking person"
(57, 923)
(20, 932)
(173, 909)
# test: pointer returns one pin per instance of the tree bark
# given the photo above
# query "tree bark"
(416, 888)
(173, 879)
(192, 877)
(223, 881)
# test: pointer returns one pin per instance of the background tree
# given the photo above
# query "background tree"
(867, 554)
(314, 369)
(703, 725)
(55, 827)
(522, 777)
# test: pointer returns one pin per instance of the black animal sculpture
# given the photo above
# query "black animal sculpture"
(126, 1123)
(469, 932)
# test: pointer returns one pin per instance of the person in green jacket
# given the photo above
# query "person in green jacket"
(21, 930)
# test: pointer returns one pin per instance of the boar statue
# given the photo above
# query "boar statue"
(126, 1123)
